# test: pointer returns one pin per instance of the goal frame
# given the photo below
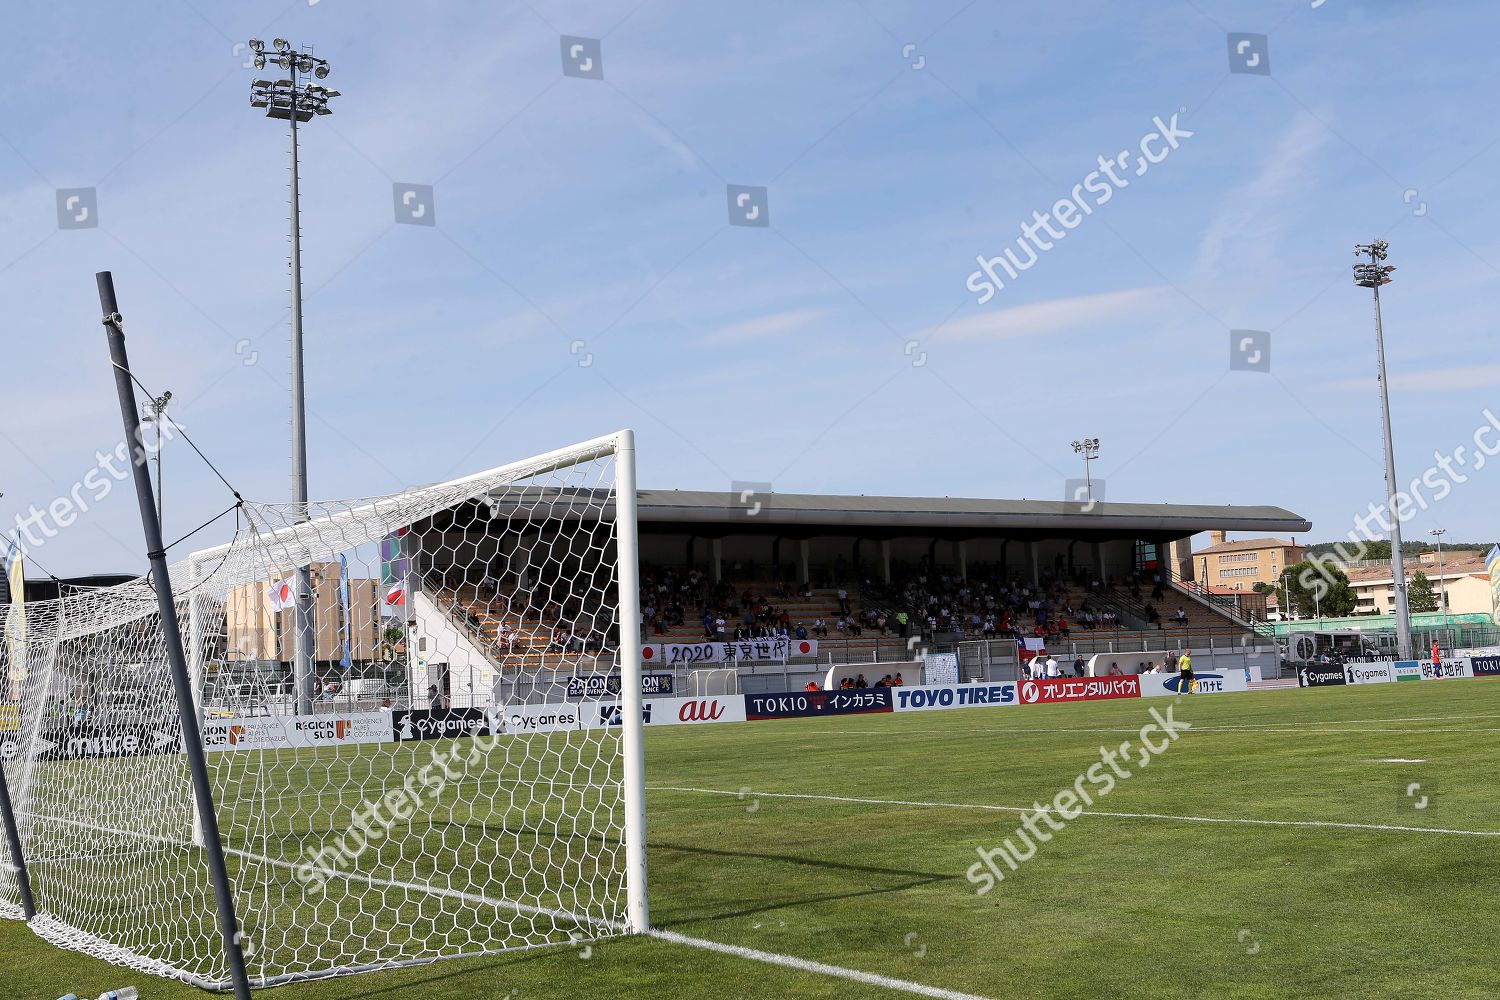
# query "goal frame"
(182, 586)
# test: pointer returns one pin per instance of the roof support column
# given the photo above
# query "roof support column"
(885, 558)
(1036, 573)
(804, 569)
(961, 557)
(717, 567)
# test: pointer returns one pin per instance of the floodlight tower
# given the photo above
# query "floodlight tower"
(1438, 533)
(296, 99)
(153, 412)
(1089, 449)
(1372, 274)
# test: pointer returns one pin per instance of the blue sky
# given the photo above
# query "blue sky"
(838, 349)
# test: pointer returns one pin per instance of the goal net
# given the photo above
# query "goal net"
(421, 717)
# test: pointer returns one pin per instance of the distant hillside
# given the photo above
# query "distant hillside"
(1382, 550)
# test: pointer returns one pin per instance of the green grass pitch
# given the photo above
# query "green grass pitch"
(1154, 904)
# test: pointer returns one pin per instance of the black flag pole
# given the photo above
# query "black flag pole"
(192, 743)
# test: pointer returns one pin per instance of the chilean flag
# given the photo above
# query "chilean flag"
(396, 596)
(283, 594)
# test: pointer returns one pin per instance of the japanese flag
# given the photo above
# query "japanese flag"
(283, 594)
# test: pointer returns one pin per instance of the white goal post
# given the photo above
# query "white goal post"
(471, 779)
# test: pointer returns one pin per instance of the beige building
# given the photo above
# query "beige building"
(1240, 565)
(255, 632)
(1464, 578)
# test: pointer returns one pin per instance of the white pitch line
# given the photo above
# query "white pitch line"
(1197, 728)
(747, 793)
(807, 965)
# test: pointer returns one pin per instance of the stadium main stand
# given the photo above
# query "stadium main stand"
(869, 578)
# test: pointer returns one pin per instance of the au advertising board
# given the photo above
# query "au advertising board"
(554, 718)
(695, 711)
(1059, 689)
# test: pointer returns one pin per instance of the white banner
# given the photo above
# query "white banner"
(1426, 670)
(695, 711)
(1379, 672)
(671, 654)
(291, 731)
(935, 697)
(1209, 682)
(557, 718)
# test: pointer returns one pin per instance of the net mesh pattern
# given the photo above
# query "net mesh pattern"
(364, 673)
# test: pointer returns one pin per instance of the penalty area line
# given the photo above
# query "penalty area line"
(807, 965)
(748, 793)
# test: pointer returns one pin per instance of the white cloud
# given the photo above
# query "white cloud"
(1263, 205)
(759, 327)
(1038, 319)
(1434, 380)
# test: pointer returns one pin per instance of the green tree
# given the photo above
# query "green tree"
(1320, 588)
(1421, 596)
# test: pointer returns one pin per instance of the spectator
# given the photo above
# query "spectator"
(843, 601)
(1181, 617)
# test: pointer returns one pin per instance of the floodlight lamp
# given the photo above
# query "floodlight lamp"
(321, 72)
(256, 45)
(260, 60)
(281, 44)
(284, 61)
